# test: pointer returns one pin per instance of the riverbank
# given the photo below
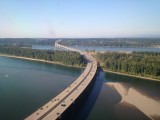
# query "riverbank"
(137, 64)
(146, 104)
(39, 60)
(126, 74)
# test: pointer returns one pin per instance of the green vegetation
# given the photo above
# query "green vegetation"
(113, 42)
(64, 57)
(26, 42)
(110, 42)
(145, 64)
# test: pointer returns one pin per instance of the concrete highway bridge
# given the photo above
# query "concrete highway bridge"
(55, 108)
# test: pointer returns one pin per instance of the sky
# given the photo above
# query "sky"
(79, 18)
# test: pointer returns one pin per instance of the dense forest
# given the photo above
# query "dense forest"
(65, 57)
(114, 42)
(137, 63)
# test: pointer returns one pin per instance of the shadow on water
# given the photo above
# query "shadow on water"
(91, 97)
(82, 107)
(137, 83)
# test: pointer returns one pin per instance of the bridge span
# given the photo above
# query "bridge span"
(58, 105)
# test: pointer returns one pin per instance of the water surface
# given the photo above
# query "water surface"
(116, 49)
(27, 85)
(99, 48)
(104, 101)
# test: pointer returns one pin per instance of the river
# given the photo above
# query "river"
(100, 48)
(118, 97)
(27, 85)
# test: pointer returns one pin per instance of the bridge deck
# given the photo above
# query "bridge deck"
(54, 108)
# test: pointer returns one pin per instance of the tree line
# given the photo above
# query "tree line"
(26, 42)
(110, 42)
(113, 42)
(137, 63)
(65, 57)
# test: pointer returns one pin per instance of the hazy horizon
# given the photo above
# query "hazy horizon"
(79, 19)
(155, 37)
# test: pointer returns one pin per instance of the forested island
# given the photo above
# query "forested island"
(145, 64)
(65, 57)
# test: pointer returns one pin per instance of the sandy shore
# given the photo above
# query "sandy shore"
(38, 60)
(149, 106)
(125, 74)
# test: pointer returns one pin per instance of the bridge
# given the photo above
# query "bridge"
(66, 47)
(55, 108)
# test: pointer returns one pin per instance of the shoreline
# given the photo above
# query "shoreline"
(59, 63)
(126, 74)
(145, 103)
(39, 60)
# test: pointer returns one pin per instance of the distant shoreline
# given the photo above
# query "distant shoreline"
(126, 74)
(38, 60)
(58, 63)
